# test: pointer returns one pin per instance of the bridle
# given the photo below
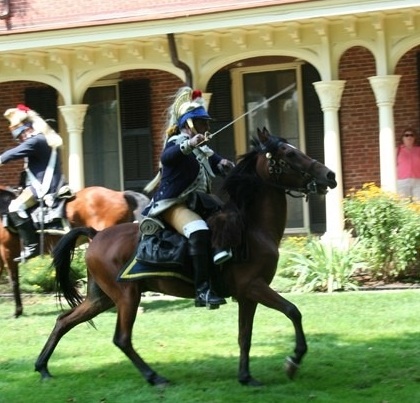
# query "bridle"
(278, 167)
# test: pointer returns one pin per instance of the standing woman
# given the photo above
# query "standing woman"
(408, 165)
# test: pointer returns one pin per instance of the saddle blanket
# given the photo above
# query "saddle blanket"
(134, 270)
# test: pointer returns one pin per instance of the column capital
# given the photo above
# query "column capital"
(74, 116)
(329, 93)
(384, 88)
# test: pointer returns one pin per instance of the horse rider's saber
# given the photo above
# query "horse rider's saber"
(283, 91)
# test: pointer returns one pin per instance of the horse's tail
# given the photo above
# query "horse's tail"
(136, 203)
(62, 256)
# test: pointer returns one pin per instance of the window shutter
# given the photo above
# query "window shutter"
(314, 137)
(136, 133)
(221, 111)
(44, 101)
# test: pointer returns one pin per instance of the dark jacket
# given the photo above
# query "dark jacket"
(38, 152)
(179, 171)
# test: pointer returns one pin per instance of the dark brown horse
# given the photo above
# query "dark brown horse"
(256, 189)
(95, 206)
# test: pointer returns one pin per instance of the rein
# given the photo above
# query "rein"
(278, 167)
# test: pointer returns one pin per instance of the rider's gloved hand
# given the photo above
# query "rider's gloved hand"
(225, 166)
(197, 140)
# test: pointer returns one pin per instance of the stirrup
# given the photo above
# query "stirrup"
(28, 252)
(208, 299)
(222, 256)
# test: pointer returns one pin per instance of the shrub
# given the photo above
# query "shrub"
(285, 278)
(37, 275)
(387, 226)
(307, 264)
(325, 267)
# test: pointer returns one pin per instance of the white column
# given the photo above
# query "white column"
(74, 116)
(385, 89)
(329, 93)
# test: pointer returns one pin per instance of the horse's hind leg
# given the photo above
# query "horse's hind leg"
(127, 310)
(88, 309)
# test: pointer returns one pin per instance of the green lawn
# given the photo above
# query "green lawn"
(363, 347)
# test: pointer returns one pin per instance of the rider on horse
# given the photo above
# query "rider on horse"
(38, 146)
(188, 167)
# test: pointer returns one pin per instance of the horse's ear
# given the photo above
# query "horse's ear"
(263, 135)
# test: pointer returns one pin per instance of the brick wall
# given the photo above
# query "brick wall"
(358, 120)
(12, 93)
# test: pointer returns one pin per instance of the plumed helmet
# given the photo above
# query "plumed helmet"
(22, 117)
(19, 120)
(189, 104)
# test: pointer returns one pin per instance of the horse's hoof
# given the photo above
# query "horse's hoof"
(46, 377)
(159, 381)
(290, 367)
(43, 371)
(250, 381)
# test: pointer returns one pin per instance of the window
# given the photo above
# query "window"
(283, 116)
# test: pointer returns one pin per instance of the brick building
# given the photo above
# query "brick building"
(105, 73)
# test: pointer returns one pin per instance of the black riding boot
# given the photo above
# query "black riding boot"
(199, 247)
(28, 235)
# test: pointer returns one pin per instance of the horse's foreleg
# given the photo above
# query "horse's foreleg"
(127, 310)
(246, 320)
(87, 310)
(260, 292)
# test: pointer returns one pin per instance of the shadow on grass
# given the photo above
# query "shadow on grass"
(335, 366)
(57, 308)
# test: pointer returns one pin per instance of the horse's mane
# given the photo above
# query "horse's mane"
(242, 183)
(242, 186)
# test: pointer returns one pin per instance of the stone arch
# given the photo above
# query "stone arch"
(49, 80)
(401, 49)
(90, 77)
(214, 65)
(343, 47)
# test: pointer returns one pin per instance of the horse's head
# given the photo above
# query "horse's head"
(284, 166)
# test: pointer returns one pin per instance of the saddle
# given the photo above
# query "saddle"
(162, 246)
(49, 216)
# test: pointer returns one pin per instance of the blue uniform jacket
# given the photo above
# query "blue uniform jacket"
(179, 171)
(38, 152)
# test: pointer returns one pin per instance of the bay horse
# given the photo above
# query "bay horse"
(94, 206)
(256, 190)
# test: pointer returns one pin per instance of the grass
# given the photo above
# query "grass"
(363, 347)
